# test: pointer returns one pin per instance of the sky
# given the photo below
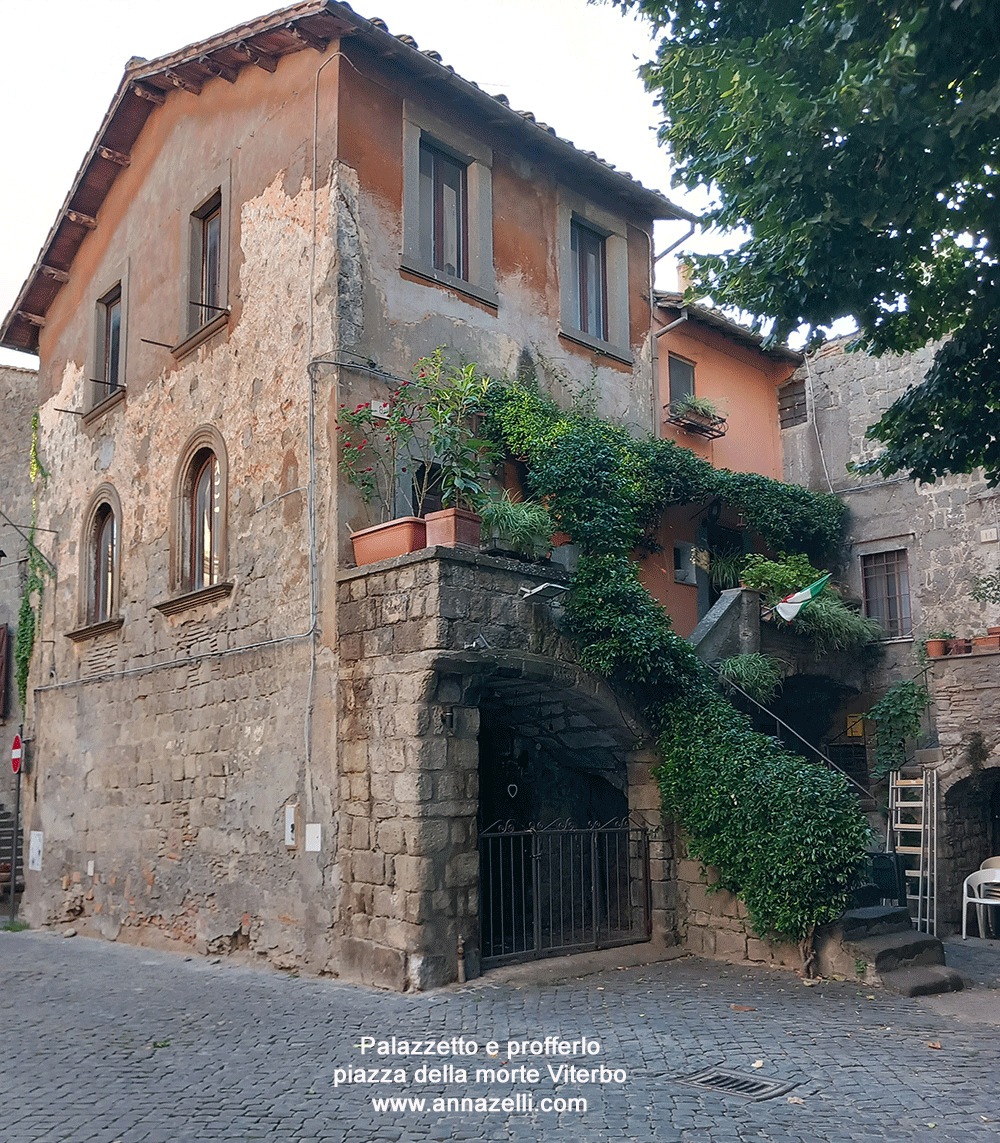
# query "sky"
(571, 63)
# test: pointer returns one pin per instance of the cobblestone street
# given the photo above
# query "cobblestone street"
(113, 1043)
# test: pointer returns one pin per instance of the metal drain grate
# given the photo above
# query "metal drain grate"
(737, 1083)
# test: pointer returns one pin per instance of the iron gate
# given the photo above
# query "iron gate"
(557, 889)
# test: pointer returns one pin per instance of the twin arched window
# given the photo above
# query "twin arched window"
(198, 531)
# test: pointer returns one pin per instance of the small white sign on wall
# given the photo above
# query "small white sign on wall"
(314, 833)
(35, 851)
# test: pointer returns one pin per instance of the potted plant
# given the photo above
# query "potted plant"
(519, 528)
(454, 461)
(415, 447)
(374, 439)
(988, 642)
(697, 415)
(986, 589)
(935, 645)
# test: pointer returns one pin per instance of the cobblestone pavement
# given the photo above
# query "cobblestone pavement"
(117, 1043)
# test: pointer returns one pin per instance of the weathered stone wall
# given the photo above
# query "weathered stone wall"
(169, 748)
(966, 702)
(714, 922)
(18, 397)
(425, 640)
(939, 525)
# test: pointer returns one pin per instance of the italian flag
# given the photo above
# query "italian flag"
(792, 604)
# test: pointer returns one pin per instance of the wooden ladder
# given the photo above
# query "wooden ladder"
(913, 815)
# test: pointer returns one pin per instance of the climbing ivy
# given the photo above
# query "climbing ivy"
(607, 488)
(34, 584)
(784, 833)
(897, 717)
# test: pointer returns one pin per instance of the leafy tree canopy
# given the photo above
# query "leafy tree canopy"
(856, 141)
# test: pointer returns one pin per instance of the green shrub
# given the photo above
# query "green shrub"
(757, 675)
(784, 833)
(897, 717)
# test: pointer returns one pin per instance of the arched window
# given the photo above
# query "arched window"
(199, 527)
(105, 552)
(100, 560)
(206, 511)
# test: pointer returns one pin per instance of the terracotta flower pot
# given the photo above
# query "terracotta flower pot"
(987, 642)
(454, 528)
(959, 646)
(993, 630)
(937, 648)
(385, 541)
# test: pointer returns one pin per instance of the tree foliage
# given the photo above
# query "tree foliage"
(856, 141)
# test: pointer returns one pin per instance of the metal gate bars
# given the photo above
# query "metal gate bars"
(560, 888)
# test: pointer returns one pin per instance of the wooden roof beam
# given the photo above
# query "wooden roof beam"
(114, 156)
(82, 219)
(31, 319)
(55, 274)
(305, 37)
(229, 74)
(150, 94)
(184, 84)
(268, 63)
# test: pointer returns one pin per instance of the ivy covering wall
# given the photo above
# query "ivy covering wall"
(785, 834)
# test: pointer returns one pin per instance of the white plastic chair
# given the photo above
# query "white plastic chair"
(974, 890)
(991, 890)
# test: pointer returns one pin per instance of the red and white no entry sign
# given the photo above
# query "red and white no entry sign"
(15, 754)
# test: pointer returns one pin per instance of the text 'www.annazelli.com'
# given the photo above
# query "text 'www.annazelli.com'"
(523, 1102)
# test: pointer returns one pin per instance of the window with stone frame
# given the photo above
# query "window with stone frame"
(444, 216)
(885, 584)
(590, 280)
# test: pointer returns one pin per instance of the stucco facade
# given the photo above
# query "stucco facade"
(239, 747)
(724, 365)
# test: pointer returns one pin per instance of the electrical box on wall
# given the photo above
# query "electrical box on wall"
(988, 536)
(291, 827)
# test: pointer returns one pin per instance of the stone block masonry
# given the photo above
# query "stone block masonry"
(424, 640)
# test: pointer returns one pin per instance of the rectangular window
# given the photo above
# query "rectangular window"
(444, 222)
(590, 280)
(206, 299)
(681, 379)
(792, 404)
(886, 586)
(111, 344)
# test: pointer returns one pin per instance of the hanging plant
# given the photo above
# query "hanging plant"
(897, 717)
(34, 585)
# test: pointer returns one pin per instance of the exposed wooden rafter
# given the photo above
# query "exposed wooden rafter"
(183, 83)
(82, 219)
(149, 93)
(213, 66)
(114, 156)
(31, 319)
(305, 37)
(55, 274)
(268, 63)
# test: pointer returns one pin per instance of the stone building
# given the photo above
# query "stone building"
(240, 740)
(914, 552)
(17, 398)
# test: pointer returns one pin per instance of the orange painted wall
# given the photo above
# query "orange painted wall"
(743, 383)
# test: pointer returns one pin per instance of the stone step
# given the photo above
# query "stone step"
(875, 920)
(890, 951)
(923, 980)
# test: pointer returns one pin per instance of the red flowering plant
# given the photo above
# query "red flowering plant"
(420, 440)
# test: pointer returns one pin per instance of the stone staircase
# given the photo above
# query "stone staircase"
(878, 945)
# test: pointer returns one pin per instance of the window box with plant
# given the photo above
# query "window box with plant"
(418, 446)
(697, 415)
